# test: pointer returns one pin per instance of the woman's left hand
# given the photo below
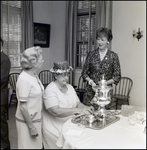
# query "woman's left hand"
(88, 110)
(111, 81)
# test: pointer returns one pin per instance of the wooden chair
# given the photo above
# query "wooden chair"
(80, 90)
(12, 81)
(45, 77)
(121, 92)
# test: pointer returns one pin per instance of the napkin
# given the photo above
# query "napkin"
(74, 133)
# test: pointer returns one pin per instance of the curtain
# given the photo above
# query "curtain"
(0, 19)
(103, 15)
(27, 25)
(70, 35)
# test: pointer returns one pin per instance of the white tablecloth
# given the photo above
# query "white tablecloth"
(119, 135)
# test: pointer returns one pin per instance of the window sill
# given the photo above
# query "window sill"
(15, 70)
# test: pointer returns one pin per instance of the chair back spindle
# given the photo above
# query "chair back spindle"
(12, 81)
(45, 77)
(81, 88)
(121, 91)
(123, 87)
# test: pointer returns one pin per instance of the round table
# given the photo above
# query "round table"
(119, 135)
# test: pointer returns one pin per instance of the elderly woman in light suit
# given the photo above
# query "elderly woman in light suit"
(29, 90)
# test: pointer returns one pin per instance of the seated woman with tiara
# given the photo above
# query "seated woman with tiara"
(61, 102)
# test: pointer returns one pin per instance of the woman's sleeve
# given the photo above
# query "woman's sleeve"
(117, 70)
(50, 98)
(23, 90)
(85, 70)
(75, 94)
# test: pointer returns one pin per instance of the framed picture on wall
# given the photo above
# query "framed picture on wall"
(41, 34)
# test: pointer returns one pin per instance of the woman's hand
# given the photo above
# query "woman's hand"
(33, 132)
(93, 84)
(25, 113)
(88, 110)
(111, 81)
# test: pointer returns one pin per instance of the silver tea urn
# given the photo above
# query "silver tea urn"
(102, 98)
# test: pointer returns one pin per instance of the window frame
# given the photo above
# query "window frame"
(91, 12)
(16, 53)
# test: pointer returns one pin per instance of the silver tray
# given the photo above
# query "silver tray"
(96, 124)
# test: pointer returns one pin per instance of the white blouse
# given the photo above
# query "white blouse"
(29, 89)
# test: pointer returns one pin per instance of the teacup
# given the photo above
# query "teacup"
(132, 120)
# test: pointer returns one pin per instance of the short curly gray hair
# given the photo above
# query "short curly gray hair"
(29, 57)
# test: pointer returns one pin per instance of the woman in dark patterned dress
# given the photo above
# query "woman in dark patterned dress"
(101, 61)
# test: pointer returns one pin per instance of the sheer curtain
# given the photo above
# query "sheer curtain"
(27, 25)
(70, 35)
(11, 30)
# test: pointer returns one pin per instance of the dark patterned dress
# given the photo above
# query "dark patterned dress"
(94, 68)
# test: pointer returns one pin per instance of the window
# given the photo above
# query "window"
(11, 30)
(85, 30)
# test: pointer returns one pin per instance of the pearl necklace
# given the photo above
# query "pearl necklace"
(103, 51)
(102, 54)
